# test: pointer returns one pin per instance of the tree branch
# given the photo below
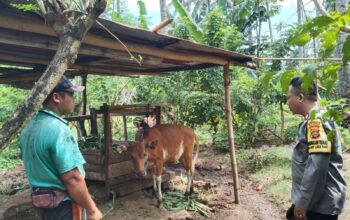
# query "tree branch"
(71, 37)
(320, 8)
(86, 4)
(41, 6)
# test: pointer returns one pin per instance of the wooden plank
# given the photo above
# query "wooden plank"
(122, 178)
(93, 158)
(118, 154)
(137, 184)
(95, 176)
(89, 167)
(35, 26)
(122, 168)
(78, 118)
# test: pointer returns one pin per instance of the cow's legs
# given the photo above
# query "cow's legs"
(186, 161)
(159, 183)
(159, 170)
(155, 183)
(189, 183)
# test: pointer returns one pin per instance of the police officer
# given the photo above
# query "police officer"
(318, 185)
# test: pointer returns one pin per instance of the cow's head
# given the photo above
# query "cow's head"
(139, 151)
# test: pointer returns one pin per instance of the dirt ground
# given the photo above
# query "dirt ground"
(217, 194)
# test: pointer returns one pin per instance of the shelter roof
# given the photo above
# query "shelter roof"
(26, 41)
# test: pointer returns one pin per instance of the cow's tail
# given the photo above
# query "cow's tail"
(195, 156)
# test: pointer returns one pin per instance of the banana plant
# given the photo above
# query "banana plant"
(195, 32)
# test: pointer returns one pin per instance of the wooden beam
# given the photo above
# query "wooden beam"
(298, 58)
(87, 69)
(44, 42)
(161, 25)
(228, 110)
(38, 26)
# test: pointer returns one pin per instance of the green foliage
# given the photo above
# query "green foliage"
(326, 29)
(195, 31)
(345, 136)
(110, 90)
(346, 50)
(257, 160)
(90, 142)
(10, 157)
(214, 22)
(9, 99)
(290, 133)
(287, 76)
(218, 33)
(178, 29)
(26, 7)
(118, 11)
(142, 14)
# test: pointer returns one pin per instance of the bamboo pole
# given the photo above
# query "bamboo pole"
(107, 144)
(125, 128)
(161, 25)
(298, 58)
(228, 110)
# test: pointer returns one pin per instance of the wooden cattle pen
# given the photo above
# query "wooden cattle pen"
(27, 45)
(108, 163)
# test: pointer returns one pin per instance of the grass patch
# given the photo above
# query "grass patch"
(270, 168)
(10, 157)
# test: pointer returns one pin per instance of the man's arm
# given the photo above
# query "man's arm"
(316, 170)
(77, 189)
(314, 180)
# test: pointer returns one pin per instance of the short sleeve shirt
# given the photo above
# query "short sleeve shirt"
(49, 149)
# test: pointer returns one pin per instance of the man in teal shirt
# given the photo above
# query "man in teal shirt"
(52, 158)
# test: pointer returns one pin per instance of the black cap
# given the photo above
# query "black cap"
(64, 85)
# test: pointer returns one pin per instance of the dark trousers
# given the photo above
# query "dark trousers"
(310, 215)
(61, 212)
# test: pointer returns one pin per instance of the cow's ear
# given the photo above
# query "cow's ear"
(153, 144)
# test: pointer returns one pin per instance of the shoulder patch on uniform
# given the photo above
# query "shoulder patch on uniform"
(317, 137)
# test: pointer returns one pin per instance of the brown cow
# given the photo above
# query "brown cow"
(166, 143)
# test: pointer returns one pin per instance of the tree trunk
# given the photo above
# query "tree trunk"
(118, 7)
(163, 14)
(70, 37)
(269, 21)
(300, 21)
(343, 74)
(258, 38)
(282, 121)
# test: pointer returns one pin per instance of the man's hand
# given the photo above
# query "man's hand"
(299, 213)
(94, 215)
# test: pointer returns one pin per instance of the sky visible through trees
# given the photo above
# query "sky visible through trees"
(288, 14)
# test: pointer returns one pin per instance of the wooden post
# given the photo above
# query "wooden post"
(228, 110)
(158, 114)
(83, 82)
(107, 144)
(125, 128)
(82, 122)
(93, 121)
